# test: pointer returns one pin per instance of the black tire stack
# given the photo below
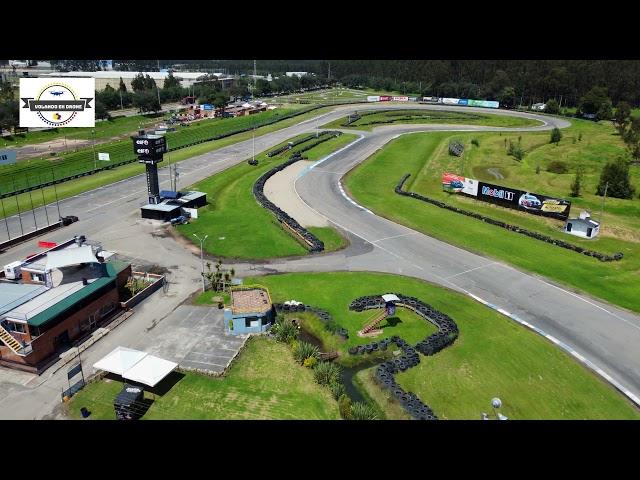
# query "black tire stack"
(445, 336)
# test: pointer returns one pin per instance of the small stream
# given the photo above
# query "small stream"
(348, 373)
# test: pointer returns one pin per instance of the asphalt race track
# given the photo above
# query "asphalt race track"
(606, 335)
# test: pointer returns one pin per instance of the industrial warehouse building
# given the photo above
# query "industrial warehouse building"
(54, 298)
(112, 78)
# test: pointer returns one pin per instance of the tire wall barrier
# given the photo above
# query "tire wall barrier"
(126, 162)
(445, 336)
(538, 236)
(313, 242)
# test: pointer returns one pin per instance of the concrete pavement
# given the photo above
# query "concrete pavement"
(110, 215)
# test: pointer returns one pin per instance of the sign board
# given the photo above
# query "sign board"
(74, 371)
(7, 157)
(385, 98)
(57, 102)
(529, 202)
(192, 211)
(207, 106)
(373, 98)
(150, 146)
(103, 156)
(483, 103)
(449, 101)
(400, 99)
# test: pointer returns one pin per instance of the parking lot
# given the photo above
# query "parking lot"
(194, 337)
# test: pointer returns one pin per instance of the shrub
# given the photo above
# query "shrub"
(344, 406)
(475, 142)
(363, 411)
(285, 331)
(337, 389)
(556, 166)
(576, 185)
(556, 135)
(304, 350)
(310, 362)
(326, 372)
(515, 150)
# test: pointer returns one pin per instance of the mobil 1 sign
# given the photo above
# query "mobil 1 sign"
(149, 145)
(535, 203)
(7, 157)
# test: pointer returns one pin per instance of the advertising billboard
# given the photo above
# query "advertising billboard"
(529, 202)
(373, 98)
(7, 157)
(463, 101)
(450, 101)
(385, 98)
(400, 99)
(483, 103)
(457, 184)
(431, 99)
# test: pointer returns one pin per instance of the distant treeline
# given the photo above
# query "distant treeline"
(509, 81)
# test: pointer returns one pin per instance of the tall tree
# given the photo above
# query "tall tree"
(552, 107)
(622, 117)
(137, 84)
(171, 81)
(616, 175)
(122, 87)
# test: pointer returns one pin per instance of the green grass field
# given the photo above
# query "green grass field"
(492, 357)
(238, 227)
(40, 170)
(425, 156)
(264, 383)
(368, 121)
(83, 184)
(104, 129)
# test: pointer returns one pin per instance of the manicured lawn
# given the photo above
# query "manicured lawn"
(368, 121)
(83, 184)
(263, 383)
(39, 170)
(425, 156)
(492, 357)
(238, 227)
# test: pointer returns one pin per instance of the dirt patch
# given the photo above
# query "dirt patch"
(280, 190)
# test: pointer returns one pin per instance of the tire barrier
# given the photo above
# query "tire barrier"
(290, 145)
(538, 236)
(326, 318)
(445, 336)
(313, 242)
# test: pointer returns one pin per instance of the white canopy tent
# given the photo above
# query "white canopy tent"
(390, 297)
(136, 366)
(150, 370)
(70, 256)
(119, 360)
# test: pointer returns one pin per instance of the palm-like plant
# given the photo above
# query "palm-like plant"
(363, 411)
(305, 350)
(326, 372)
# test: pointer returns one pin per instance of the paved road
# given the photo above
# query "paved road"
(110, 214)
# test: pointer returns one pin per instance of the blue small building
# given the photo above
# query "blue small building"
(251, 310)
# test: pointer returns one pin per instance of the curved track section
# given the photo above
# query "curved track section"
(589, 328)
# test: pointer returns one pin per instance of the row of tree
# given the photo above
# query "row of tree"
(508, 81)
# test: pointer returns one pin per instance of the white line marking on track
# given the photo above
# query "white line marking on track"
(472, 269)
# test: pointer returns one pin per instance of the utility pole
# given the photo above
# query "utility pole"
(254, 143)
(255, 80)
(606, 186)
(93, 145)
(201, 257)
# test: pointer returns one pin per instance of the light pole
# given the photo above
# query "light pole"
(93, 145)
(201, 257)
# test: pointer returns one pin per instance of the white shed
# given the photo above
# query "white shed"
(583, 226)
